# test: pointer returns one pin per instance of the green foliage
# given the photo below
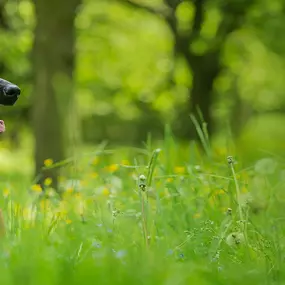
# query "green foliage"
(152, 216)
(125, 57)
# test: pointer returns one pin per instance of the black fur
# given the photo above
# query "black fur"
(9, 93)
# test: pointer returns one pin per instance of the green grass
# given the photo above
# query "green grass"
(165, 214)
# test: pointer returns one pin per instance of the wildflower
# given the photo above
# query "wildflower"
(230, 160)
(48, 181)
(142, 182)
(48, 162)
(6, 192)
(69, 190)
(235, 239)
(105, 191)
(169, 180)
(112, 167)
(37, 188)
(179, 169)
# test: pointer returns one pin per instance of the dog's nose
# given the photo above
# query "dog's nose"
(12, 90)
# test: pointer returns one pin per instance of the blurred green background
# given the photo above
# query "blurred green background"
(119, 70)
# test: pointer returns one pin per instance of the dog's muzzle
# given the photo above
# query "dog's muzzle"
(9, 93)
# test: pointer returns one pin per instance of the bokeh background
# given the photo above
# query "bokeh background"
(121, 70)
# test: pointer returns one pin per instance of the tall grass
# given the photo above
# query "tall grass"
(161, 215)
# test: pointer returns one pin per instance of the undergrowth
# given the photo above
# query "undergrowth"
(167, 215)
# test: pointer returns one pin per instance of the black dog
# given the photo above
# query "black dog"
(9, 94)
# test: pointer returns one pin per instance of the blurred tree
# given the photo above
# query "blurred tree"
(202, 54)
(4, 26)
(3, 17)
(53, 65)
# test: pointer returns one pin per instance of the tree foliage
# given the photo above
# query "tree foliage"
(131, 66)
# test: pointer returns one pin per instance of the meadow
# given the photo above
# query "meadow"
(165, 208)
(165, 213)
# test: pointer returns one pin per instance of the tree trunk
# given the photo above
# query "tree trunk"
(53, 65)
(205, 69)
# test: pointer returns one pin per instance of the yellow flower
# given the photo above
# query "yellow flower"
(106, 192)
(37, 188)
(169, 179)
(6, 192)
(69, 190)
(48, 162)
(179, 169)
(48, 181)
(112, 167)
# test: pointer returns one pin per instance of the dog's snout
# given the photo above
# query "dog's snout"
(12, 90)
